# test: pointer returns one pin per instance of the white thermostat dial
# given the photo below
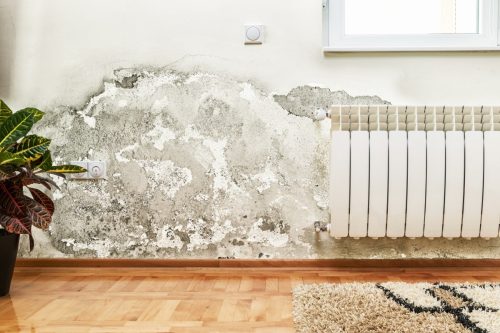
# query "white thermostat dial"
(254, 33)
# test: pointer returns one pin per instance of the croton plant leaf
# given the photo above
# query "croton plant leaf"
(44, 162)
(37, 114)
(7, 158)
(11, 198)
(31, 147)
(39, 215)
(17, 126)
(5, 112)
(15, 225)
(44, 181)
(42, 199)
(61, 169)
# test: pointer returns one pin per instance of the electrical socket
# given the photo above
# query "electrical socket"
(95, 170)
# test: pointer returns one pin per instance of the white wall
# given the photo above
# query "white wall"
(57, 51)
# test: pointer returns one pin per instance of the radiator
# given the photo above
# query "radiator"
(410, 171)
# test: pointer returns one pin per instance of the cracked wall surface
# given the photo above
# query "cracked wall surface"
(202, 165)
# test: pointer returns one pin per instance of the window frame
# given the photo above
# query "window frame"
(335, 39)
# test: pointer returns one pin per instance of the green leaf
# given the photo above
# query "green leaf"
(66, 169)
(44, 162)
(15, 127)
(32, 147)
(5, 111)
(10, 158)
(37, 114)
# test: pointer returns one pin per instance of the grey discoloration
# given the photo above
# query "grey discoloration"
(201, 165)
(127, 82)
(386, 248)
(304, 100)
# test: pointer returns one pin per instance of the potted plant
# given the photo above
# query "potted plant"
(25, 161)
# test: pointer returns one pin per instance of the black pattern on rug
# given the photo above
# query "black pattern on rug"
(397, 307)
(457, 312)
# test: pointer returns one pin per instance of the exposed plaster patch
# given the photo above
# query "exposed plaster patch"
(159, 135)
(201, 234)
(201, 197)
(321, 200)
(219, 166)
(90, 121)
(119, 155)
(196, 77)
(57, 193)
(149, 84)
(167, 238)
(247, 93)
(190, 132)
(159, 105)
(109, 91)
(101, 247)
(266, 178)
(304, 100)
(259, 234)
(166, 176)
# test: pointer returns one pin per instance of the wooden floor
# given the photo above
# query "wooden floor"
(73, 300)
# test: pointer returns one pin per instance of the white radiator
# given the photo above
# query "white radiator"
(403, 171)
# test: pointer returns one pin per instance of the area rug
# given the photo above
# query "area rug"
(397, 307)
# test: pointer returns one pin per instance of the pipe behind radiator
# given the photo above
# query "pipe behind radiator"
(409, 171)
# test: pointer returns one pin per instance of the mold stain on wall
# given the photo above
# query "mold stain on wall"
(202, 165)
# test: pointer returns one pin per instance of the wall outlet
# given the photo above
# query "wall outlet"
(95, 170)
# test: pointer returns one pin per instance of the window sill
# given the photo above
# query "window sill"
(343, 49)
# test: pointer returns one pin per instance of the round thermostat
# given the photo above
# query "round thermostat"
(253, 33)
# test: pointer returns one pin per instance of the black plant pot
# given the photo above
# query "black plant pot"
(9, 244)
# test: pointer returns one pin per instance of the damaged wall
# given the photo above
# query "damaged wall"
(198, 165)
(216, 155)
(203, 165)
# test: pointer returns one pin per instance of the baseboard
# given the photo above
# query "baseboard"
(260, 263)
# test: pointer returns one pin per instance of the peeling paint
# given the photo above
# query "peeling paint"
(247, 93)
(130, 148)
(266, 179)
(159, 135)
(166, 176)
(267, 236)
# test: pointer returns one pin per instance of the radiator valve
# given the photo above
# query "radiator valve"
(320, 226)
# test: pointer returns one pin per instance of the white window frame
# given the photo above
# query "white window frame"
(335, 39)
